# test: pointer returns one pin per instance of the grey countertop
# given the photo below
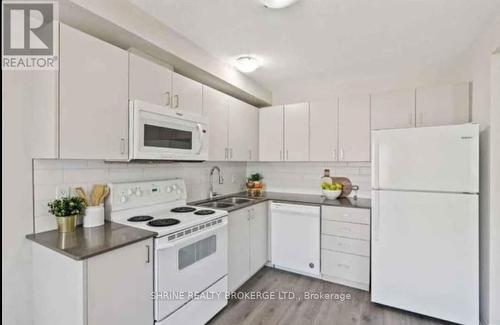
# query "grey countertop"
(308, 199)
(88, 242)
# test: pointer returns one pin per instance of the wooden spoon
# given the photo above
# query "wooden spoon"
(104, 195)
(97, 192)
(81, 193)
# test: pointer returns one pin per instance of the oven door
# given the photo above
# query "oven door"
(159, 133)
(188, 265)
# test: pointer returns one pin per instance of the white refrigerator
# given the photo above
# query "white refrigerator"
(425, 240)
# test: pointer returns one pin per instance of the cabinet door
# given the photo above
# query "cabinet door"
(215, 107)
(238, 248)
(258, 237)
(93, 98)
(443, 105)
(119, 286)
(393, 110)
(296, 132)
(149, 81)
(187, 94)
(238, 127)
(252, 122)
(354, 128)
(271, 133)
(323, 130)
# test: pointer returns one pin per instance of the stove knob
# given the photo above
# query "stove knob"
(138, 192)
(123, 199)
(130, 191)
(174, 186)
(169, 189)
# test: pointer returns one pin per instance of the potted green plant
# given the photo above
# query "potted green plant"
(66, 210)
(254, 180)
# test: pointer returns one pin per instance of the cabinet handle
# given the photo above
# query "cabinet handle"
(410, 115)
(231, 152)
(343, 265)
(334, 154)
(250, 154)
(286, 154)
(226, 153)
(176, 97)
(341, 153)
(148, 252)
(122, 145)
(281, 155)
(167, 103)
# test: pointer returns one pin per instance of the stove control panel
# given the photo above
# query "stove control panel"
(135, 194)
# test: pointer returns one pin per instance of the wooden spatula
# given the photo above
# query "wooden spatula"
(81, 193)
(104, 195)
(97, 193)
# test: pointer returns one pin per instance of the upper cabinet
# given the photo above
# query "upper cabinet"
(158, 84)
(187, 94)
(443, 104)
(149, 81)
(93, 101)
(296, 132)
(271, 133)
(393, 110)
(233, 127)
(354, 128)
(323, 130)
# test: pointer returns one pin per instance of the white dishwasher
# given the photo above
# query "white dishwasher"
(295, 237)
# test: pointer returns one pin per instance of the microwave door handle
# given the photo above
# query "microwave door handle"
(194, 236)
(200, 136)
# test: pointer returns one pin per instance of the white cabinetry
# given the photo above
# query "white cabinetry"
(354, 128)
(393, 110)
(158, 84)
(271, 133)
(345, 246)
(93, 98)
(443, 105)
(149, 81)
(296, 132)
(187, 94)
(247, 248)
(323, 130)
(233, 127)
(111, 288)
(284, 133)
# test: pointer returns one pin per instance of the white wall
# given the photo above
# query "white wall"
(51, 174)
(305, 177)
(17, 209)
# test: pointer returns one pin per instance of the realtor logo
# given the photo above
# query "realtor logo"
(29, 35)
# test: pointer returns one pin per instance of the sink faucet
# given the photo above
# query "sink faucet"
(211, 192)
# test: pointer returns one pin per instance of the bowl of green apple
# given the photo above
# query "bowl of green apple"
(331, 191)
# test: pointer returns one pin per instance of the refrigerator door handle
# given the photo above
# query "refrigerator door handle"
(375, 215)
(375, 162)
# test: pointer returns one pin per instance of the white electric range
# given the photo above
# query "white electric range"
(190, 260)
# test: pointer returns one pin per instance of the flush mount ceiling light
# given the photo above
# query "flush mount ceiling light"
(247, 63)
(277, 4)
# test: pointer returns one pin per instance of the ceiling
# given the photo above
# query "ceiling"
(329, 39)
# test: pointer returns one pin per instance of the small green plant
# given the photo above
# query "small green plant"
(67, 206)
(255, 177)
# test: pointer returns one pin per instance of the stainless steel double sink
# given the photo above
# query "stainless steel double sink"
(226, 202)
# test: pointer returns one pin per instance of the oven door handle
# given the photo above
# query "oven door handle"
(200, 136)
(199, 234)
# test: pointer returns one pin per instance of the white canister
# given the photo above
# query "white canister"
(94, 216)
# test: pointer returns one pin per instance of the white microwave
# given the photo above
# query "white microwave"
(161, 133)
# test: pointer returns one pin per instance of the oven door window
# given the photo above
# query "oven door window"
(170, 138)
(194, 252)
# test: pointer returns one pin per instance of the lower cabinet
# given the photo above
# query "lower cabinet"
(345, 246)
(111, 288)
(247, 245)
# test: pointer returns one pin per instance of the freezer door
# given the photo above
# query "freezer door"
(443, 159)
(425, 253)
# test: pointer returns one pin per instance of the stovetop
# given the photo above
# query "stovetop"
(161, 220)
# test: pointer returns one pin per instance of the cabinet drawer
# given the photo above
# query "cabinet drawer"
(346, 266)
(346, 214)
(345, 245)
(345, 229)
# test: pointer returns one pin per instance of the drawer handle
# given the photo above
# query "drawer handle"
(345, 229)
(343, 265)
